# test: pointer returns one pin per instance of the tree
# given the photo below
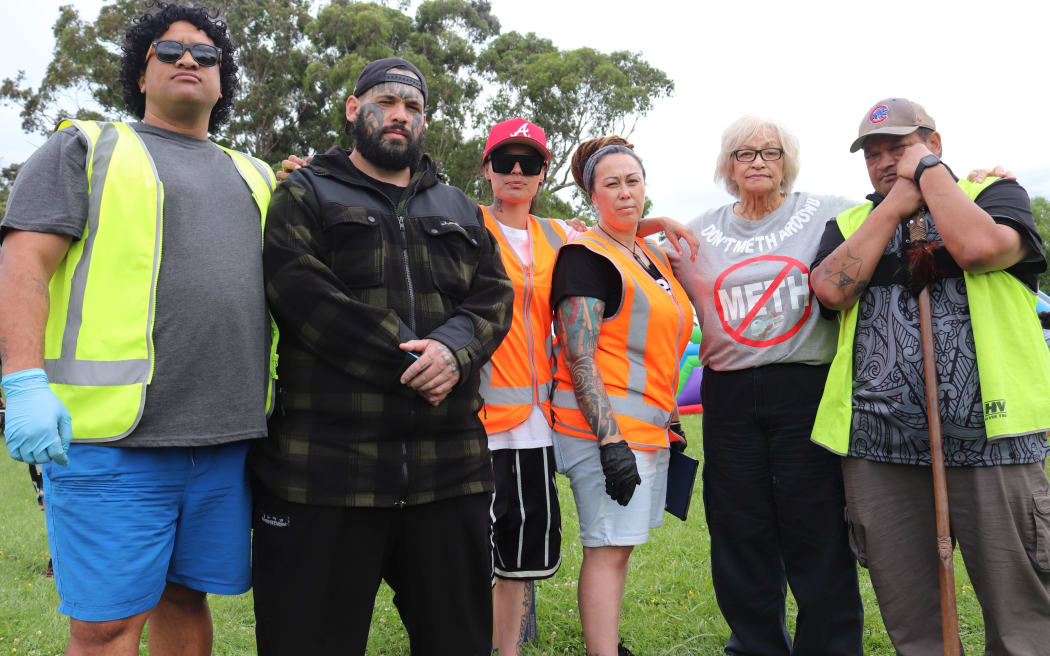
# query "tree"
(573, 94)
(7, 178)
(299, 65)
(1041, 211)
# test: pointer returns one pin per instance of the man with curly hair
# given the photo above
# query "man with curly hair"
(135, 343)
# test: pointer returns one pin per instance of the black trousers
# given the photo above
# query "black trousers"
(775, 510)
(316, 570)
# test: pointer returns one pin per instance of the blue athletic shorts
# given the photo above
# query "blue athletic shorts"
(122, 522)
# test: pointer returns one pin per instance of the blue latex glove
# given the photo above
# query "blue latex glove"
(39, 428)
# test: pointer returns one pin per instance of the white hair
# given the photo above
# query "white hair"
(740, 131)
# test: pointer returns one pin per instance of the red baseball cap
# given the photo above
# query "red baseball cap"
(517, 130)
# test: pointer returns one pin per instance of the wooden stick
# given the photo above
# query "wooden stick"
(922, 272)
(946, 571)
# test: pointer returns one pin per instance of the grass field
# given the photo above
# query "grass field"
(669, 607)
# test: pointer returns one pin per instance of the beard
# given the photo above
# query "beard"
(390, 156)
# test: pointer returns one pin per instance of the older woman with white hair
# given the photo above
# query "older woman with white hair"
(774, 500)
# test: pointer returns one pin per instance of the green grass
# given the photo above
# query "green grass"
(669, 606)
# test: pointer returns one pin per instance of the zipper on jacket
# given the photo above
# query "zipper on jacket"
(408, 273)
(399, 210)
(403, 501)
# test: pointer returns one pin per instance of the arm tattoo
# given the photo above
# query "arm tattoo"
(578, 323)
(40, 287)
(845, 276)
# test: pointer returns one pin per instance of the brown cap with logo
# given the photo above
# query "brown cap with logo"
(897, 116)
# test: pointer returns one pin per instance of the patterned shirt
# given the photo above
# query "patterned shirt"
(889, 394)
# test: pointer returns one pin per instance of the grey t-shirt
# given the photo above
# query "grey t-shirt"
(750, 285)
(211, 330)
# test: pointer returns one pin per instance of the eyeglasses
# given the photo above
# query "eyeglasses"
(170, 52)
(749, 155)
(503, 163)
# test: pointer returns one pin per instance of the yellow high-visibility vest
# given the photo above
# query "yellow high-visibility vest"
(1013, 363)
(98, 342)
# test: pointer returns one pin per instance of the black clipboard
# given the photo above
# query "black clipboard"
(681, 475)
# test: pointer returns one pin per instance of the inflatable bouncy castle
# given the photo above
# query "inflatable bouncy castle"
(691, 373)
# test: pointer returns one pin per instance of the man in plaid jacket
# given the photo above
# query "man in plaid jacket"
(390, 295)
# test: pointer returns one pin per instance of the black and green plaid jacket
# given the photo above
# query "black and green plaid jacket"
(349, 277)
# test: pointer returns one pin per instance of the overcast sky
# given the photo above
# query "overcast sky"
(979, 69)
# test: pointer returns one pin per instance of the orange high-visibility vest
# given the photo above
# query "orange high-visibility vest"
(639, 348)
(519, 374)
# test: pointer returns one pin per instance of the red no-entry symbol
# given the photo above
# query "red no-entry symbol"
(790, 264)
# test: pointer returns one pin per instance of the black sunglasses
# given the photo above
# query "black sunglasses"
(503, 163)
(170, 52)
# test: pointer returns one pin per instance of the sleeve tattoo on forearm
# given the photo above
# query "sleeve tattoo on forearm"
(578, 323)
(844, 273)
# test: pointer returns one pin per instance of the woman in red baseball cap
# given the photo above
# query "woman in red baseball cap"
(516, 384)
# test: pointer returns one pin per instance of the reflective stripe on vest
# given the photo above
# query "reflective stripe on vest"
(519, 376)
(1009, 352)
(98, 341)
(639, 347)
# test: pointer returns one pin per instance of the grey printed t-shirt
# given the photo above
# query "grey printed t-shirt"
(211, 329)
(750, 285)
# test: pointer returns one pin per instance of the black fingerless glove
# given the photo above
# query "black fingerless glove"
(621, 471)
(681, 443)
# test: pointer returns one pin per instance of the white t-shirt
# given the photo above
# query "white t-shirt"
(750, 284)
(534, 432)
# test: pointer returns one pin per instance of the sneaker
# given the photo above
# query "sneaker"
(50, 573)
(623, 651)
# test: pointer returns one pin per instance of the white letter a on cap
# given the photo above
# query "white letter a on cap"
(522, 131)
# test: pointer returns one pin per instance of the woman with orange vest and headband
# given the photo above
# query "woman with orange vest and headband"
(623, 323)
(516, 384)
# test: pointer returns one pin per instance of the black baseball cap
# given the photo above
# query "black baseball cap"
(379, 71)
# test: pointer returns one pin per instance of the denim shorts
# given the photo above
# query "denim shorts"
(604, 522)
(122, 522)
